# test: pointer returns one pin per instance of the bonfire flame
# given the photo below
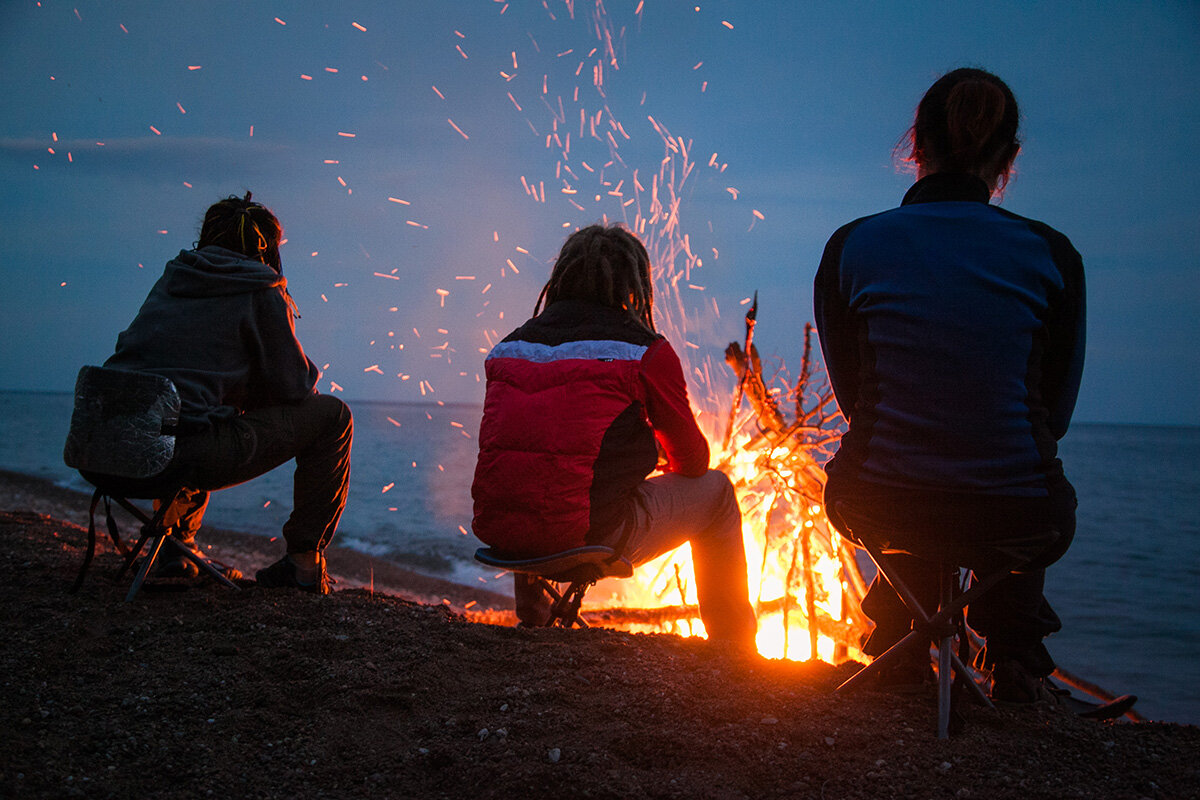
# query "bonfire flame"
(804, 577)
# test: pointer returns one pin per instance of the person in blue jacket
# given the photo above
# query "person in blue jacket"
(219, 323)
(953, 335)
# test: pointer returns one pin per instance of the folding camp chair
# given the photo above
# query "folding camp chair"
(580, 568)
(940, 628)
(121, 440)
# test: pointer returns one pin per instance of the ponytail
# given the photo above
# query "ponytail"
(967, 122)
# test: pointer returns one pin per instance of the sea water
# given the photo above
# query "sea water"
(1128, 590)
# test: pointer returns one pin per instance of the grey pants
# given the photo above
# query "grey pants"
(316, 432)
(670, 510)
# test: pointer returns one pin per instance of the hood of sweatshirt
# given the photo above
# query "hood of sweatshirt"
(217, 272)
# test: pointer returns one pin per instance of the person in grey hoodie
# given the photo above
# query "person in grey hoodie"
(219, 323)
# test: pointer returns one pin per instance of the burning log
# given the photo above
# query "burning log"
(624, 617)
(786, 466)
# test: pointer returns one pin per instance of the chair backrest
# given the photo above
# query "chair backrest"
(123, 423)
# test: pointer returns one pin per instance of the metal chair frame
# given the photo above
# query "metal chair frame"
(579, 568)
(152, 531)
(939, 628)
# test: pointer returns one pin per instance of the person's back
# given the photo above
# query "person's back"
(565, 409)
(953, 335)
(217, 324)
(955, 306)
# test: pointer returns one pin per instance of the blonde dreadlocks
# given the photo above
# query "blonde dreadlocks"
(606, 265)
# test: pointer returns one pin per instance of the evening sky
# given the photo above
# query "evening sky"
(408, 179)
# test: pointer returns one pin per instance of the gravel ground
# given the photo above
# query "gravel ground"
(387, 688)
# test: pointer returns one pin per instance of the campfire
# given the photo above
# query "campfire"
(805, 583)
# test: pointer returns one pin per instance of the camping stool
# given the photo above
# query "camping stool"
(580, 568)
(940, 628)
(122, 439)
(153, 532)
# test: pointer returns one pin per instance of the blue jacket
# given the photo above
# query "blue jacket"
(953, 334)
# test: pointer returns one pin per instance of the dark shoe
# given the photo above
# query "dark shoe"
(173, 564)
(912, 673)
(282, 575)
(169, 566)
(1012, 682)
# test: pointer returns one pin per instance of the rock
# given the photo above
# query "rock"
(554, 755)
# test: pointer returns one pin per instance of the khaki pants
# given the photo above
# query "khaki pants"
(668, 511)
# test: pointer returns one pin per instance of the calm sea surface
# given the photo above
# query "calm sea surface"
(1128, 591)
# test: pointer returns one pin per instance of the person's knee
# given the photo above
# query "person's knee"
(726, 512)
(721, 485)
(333, 413)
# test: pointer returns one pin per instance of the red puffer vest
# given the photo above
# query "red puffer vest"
(575, 398)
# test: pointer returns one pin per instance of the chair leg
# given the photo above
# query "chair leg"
(151, 525)
(884, 660)
(156, 544)
(565, 610)
(945, 651)
(967, 675)
(131, 556)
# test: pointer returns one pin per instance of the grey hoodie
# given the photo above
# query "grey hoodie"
(220, 327)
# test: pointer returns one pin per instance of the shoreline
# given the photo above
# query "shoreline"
(351, 568)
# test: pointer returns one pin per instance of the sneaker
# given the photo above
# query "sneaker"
(171, 565)
(174, 567)
(282, 574)
(1012, 682)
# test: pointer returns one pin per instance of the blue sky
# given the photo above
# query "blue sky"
(331, 113)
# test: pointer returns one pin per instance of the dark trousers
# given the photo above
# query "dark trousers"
(978, 532)
(316, 432)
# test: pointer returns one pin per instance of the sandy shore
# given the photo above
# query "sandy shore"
(386, 689)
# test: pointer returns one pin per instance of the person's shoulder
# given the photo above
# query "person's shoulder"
(843, 233)
(1053, 235)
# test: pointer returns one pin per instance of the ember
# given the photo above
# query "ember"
(804, 579)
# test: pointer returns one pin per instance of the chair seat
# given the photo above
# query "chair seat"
(560, 567)
(158, 487)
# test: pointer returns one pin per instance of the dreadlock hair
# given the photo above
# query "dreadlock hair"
(606, 265)
(243, 226)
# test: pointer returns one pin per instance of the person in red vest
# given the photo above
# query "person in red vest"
(580, 401)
